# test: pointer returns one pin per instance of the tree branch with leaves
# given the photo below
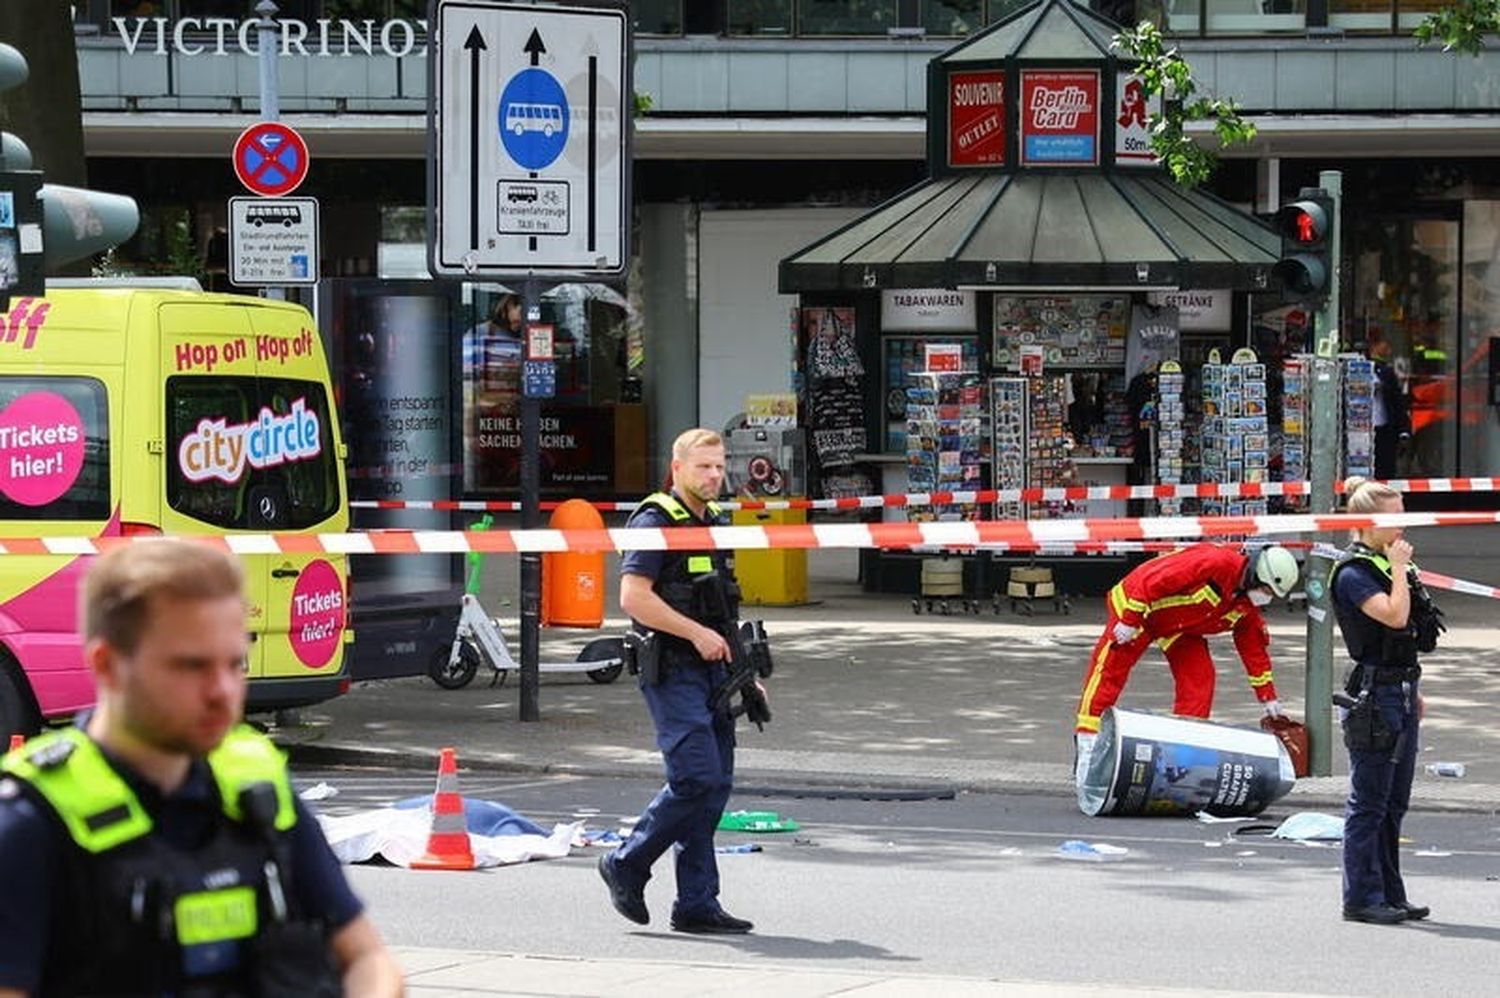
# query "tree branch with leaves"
(1164, 71)
(1461, 26)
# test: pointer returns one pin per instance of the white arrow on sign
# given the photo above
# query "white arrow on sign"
(529, 147)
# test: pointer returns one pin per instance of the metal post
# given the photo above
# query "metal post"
(268, 37)
(1323, 463)
(531, 562)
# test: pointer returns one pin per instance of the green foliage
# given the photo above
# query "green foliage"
(1164, 71)
(1461, 26)
(643, 104)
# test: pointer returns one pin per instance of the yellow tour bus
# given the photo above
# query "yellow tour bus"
(128, 411)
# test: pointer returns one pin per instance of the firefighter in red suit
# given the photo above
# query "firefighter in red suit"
(1175, 601)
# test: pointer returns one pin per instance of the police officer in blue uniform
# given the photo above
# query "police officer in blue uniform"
(1386, 620)
(688, 663)
(158, 849)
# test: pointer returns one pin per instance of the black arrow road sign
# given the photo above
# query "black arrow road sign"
(534, 46)
(474, 44)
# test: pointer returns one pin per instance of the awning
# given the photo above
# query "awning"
(1039, 231)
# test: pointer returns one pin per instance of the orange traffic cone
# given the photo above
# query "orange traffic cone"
(16, 741)
(448, 843)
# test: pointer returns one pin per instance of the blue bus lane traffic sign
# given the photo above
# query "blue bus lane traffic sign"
(534, 120)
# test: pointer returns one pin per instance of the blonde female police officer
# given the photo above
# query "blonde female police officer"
(1386, 619)
(696, 740)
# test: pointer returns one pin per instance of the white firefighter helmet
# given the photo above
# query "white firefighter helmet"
(1277, 568)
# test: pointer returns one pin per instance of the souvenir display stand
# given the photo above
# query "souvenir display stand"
(1234, 437)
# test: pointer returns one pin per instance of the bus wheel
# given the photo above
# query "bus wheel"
(18, 715)
(460, 673)
(601, 650)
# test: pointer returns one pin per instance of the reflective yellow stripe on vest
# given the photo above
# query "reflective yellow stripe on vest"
(668, 504)
(245, 757)
(96, 805)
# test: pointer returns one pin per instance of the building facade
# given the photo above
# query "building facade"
(771, 123)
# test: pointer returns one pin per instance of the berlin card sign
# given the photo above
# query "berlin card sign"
(529, 113)
(1060, 117)
(273, 241)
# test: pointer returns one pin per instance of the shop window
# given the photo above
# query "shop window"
(952, 17)
(1360, 15)
(592, 429)
(1479, 401)
(847, 17)
(1405, 302)
(760, 17)
(657, 17)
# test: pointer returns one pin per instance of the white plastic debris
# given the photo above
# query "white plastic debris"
(321, 791)
(1307, 826)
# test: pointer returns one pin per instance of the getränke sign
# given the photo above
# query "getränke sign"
(189, 36)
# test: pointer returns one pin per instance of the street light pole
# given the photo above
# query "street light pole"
(268, 37)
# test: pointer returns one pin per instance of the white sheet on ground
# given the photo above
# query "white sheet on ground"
(399, 835)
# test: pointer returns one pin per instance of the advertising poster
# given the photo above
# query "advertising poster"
(1133, 122)
(1060, 117)
(976, 118)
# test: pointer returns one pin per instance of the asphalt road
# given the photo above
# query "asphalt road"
(971, 886)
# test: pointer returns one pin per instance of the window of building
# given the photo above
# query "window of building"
(1405, 304)
(1360, 15)
(656, 17)
(760, 17)
(1411, 13)
(952, 17)
(1235, 17)
(847, 17)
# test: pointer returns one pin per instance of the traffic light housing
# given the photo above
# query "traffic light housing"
(46, 225)
(1305, 269)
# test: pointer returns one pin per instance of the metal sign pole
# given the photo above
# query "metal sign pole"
(531, 561)
(268, 38)
(1323, 463)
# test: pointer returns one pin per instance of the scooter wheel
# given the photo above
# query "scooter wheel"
(603, 650)
(457, 675)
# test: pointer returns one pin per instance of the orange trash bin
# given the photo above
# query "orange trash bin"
(573, 581)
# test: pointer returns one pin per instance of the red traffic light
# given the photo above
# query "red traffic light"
(1303, 222)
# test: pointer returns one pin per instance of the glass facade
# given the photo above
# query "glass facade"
(1479, 288)
(1405, 306)
(854, 18)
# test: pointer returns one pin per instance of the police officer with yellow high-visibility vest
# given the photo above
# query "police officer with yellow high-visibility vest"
(683, 662)
(159, 849)
(1387, 621)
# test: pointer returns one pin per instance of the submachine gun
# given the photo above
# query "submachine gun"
(749, 650)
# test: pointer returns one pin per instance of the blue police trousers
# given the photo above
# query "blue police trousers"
(697, 746)
(1379, 794)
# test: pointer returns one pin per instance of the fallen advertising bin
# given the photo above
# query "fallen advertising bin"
(1154, 764)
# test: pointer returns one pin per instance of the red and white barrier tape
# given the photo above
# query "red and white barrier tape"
(955, 534)
(1071, 493)
(1435, 580)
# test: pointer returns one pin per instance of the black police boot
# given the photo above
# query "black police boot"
(711, 923)
(1376, 914)
(628, 901)
(1414, 912)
